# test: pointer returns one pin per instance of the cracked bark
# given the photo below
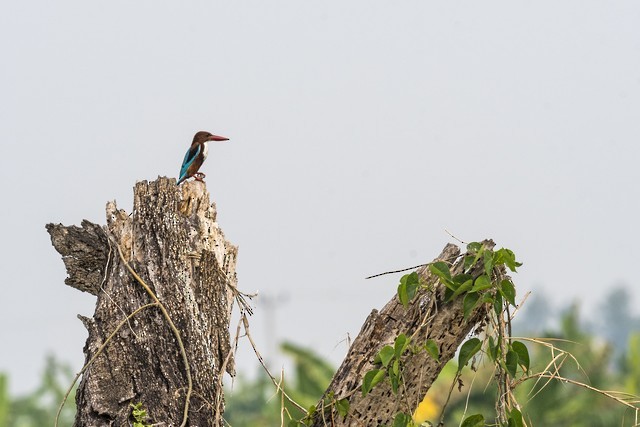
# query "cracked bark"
(428, 316)
(172, 240)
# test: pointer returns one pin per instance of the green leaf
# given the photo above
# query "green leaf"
(343, 406)
(447, 294)
(432, 349)
(394, 376)
(441, 269)
(408, 287)
(508, 291)
(401, 420)
(412, 289)
(487, 298)
(385, 355)
(477, 250)
(493, 348)
(515, 418)
(403, 279)
(469, 303)
(497, 304)
(461, 289)
(291, 423)
(395, 383)
(474, 247)
(476, 420)
(511, 362)
(403, 295)
(412, 278)
(400, 345)
(467, 351)
(395, 369)
(312, 410)
(138, 412)
(508, 258)
(488, 263)
(372, 378)
(461, 278)
(469, 260)
(481, 283)
(523, 354)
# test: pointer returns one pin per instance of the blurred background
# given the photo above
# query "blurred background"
(359, 132)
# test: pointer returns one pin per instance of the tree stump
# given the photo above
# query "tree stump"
(427, 316)
(174, 244)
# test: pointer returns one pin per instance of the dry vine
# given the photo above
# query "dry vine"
(156, 303)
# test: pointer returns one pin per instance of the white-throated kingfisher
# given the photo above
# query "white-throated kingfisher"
(196, 155)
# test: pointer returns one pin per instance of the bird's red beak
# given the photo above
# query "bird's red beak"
(217, 138)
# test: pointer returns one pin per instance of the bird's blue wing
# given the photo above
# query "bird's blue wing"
(191, 155)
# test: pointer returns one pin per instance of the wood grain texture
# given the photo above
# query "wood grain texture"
(171, 240)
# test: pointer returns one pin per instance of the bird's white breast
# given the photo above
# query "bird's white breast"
(205, 149)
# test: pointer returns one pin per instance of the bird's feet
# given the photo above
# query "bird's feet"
(199, 176)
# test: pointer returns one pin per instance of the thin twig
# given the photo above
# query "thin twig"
(454, 237)
(444, 407)
(396, 271)
(104, 279)
(466, 402)
(519, 306)
(608, 393)
(447, 260)
(224, 366)
(282, 408)
(245, 322)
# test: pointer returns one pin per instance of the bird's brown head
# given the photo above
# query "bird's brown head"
(203, 136)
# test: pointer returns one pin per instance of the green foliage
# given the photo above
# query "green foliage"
(511, 362)
(252, 403)
(139, 415)
(343, 407)
(561, 404)
(39, 407)
(468, 349)
(476, 420)
(479, 283)
(506, 257)
(522, 353)
(515, 418)
(312, 373)
(548, 403)
(409, 284)
(389, 365)
(432, 349)
(473, 288)
(371, 378)
(469, 303)
(441, 269)
(5, 400)
(508, 291)
(632, 381)
(402, 420)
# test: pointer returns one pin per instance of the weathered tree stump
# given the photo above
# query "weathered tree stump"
(174, 244)
(428, 316)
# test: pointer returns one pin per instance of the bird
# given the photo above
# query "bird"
(196, 155)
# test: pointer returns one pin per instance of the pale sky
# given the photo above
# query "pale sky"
(359, 131)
